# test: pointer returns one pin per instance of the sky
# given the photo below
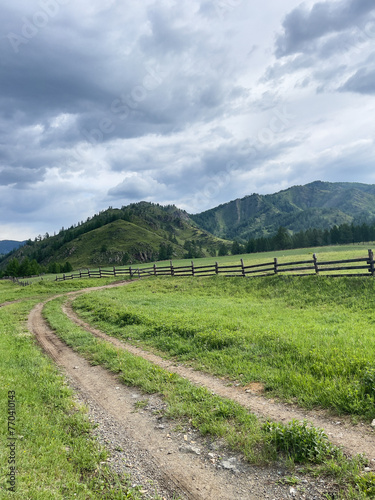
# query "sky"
(186, 102)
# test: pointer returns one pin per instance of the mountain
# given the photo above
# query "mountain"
(145, 232)
(7, 246)
(140, 232)
(318, 205)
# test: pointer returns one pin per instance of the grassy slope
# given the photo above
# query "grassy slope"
(118, 237)
(139, 239)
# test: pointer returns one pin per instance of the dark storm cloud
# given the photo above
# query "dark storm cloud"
(324, 46)
(105, 103)
(20, 177)
(362, 82)
(165, 77)
(164, 37)
(303, 26)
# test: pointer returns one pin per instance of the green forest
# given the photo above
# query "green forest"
(284, 240)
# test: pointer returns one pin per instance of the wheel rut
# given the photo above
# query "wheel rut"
(353, 439)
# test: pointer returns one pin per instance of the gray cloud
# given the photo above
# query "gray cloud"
(136, 187)
(362, 82)
(189, 102)
(303, 26)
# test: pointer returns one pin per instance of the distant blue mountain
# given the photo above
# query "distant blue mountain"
(7, 246)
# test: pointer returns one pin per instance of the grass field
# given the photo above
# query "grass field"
(308, 340)
(218, 417)
(335, 252)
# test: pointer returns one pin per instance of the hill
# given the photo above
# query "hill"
(146, 232)
(319, 205)
(7, 246)
(140, 232)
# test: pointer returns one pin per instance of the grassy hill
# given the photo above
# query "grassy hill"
(141, 232)
(316, 205)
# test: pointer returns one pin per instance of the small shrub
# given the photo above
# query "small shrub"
(127, 318)
(300, 441)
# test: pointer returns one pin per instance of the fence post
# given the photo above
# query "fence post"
(275, 266)
(155, 270)
(316, 263)
(192, 268)
(100, 272)
(114, 271)
(64, 276)
(139, 273)
(216, 268)
(243, 268)
(130, 271)
(371, 262)
(172, 268)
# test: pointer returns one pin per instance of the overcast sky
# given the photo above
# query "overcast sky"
(190, 102)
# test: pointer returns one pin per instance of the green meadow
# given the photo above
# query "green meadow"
(306, 340)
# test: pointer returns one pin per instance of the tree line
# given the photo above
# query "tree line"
(27, 267)
(284, 240)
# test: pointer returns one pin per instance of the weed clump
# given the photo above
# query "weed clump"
(366, 484)
(300, 441)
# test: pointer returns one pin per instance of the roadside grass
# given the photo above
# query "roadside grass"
(39, 289)
(219, 417)
(306, 340)
(56, 454)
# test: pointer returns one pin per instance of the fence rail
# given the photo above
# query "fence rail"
(334, 268)
(274, 267)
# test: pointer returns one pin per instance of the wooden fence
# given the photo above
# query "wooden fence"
(352, 267)
(21, 281)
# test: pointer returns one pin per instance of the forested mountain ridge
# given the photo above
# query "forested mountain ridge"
(318, 205)
(9, 245)
(140, 232)
(146, 232)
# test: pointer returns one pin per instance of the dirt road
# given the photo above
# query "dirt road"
(183, 463)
